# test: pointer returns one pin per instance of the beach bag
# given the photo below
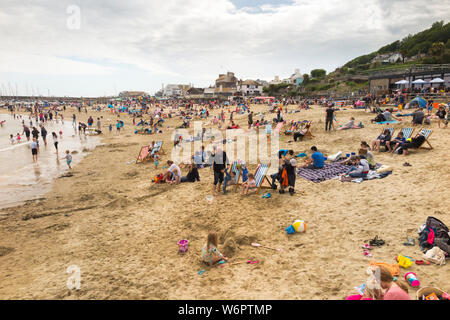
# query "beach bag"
(435, 255)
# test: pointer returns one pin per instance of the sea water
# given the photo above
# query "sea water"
(20, 178)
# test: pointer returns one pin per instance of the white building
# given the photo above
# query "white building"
(296, 78)
(175, 90)
(250, 88)
(276, 80)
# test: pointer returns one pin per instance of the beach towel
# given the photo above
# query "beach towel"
(329, 171)
(388, 122)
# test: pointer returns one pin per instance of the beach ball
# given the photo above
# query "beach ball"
(299, 226)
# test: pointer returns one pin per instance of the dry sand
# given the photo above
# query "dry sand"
(122, 230)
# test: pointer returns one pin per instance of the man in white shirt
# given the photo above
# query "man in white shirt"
(174, 171)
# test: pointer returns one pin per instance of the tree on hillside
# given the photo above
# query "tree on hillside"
(305, 79)
(437, 49)
(318, 73)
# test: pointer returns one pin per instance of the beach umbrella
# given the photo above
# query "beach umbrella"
(418, 81)
(420, 101)
(402, 82)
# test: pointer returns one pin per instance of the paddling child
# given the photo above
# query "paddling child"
(34, 149)
(210, 253)
(68, 158)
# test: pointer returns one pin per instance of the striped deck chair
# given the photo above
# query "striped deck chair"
(260, 175)
(391, 130)
(408, 132)
(238, 174)
(158, 148)
(143, 155)
(308, 133)
(279, 127)
(426, 133)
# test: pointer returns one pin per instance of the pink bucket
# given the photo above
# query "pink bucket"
(183, 245)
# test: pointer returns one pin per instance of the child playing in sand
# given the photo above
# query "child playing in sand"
(249, 184)
(11, 139)
(68, 158)
(18, 138)
(60, 134)
(210, 253)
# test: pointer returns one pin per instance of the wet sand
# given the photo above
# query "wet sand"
(20, 178)
(122, 230)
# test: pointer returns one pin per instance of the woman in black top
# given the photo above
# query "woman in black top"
(192, 175)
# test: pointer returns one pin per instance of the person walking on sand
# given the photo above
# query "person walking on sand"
(118, 127)
(329, 117)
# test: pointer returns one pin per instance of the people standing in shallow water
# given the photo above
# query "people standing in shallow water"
(55, 141)
(34, 149)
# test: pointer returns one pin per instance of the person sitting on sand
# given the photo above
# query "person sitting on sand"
(173, 174)
(317, 160)
(382, 140)
(396, 142)
(395, 289)
(359, 169)
(301, 133)
(11, 139)
(192, 175)
(348, 125)
(250, 184)
(210, 253)
(364, 153)
(228, 180)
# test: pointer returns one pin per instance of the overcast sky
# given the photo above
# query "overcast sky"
(118, 45)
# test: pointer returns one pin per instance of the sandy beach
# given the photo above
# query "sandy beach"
(121, 229)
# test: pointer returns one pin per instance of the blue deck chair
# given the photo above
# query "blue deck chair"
(260, 175)
(408, 132)
(426, 133)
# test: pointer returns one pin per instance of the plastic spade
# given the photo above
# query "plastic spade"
(258, 245)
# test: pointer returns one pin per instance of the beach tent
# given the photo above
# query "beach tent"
(420, 101)
(437, 80)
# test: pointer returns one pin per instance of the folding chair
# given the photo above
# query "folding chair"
(260, 175)
(408, 132)
(143, 155)
(426, 133)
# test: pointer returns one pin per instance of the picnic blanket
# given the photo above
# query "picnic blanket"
(329, 171)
